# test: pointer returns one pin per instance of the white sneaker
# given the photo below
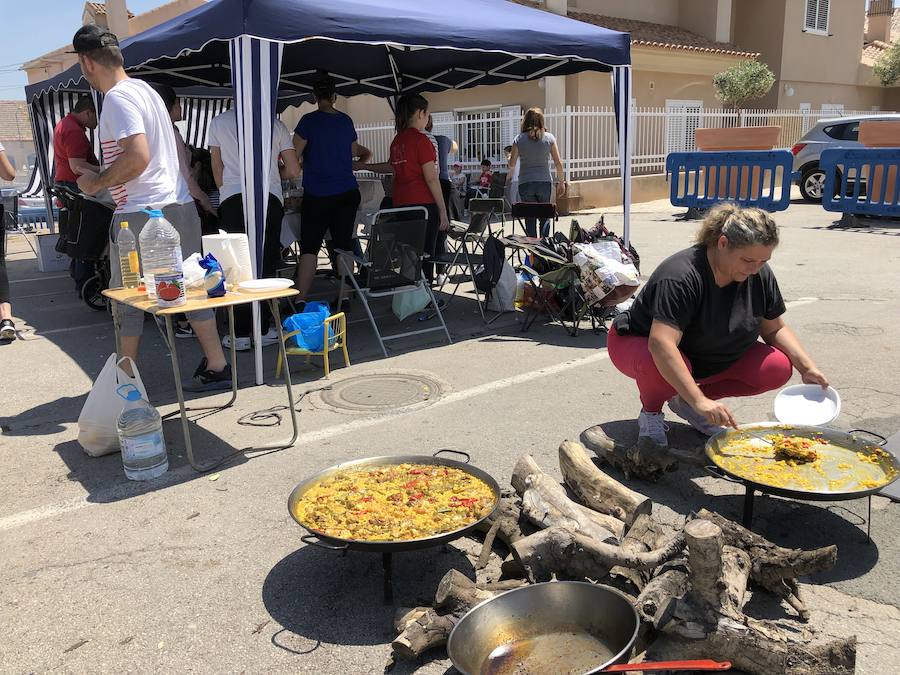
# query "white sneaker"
(270, 338)
(681, 408)
(440, 280)
(241, 344)
(653, 426)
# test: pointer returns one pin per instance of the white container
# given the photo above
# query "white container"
(233, 253)
(141, 438)
(48, 258)
(161, 257)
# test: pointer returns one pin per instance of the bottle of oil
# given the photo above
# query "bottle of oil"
(129, 262)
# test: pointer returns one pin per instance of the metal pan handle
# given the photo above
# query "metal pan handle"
(467, 456)
(871, 433)
(313, 540)
(718, 473)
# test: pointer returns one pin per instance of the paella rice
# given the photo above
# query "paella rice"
(397, 502)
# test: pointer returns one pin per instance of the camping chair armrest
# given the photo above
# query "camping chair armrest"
(291, 334)
(356, 258)
(528, 270)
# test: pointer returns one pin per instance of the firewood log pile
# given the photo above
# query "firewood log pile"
(689, 586)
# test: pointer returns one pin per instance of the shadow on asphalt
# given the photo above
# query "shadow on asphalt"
(320, 596)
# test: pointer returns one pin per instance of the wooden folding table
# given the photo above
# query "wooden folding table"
(196, 301)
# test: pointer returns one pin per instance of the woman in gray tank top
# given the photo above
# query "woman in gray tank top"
(533, 149)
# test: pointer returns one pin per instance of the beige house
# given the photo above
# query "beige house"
(57, 61)
(16, 137)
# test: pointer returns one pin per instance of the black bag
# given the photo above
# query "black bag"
(488, 274)
(84, 231)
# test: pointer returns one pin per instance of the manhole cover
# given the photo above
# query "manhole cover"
(382, 392)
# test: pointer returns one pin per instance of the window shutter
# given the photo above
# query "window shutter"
(816, 17)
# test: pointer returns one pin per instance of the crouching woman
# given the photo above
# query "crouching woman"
(692, 336)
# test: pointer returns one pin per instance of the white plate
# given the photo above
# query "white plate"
(807, 404)
(263, 285)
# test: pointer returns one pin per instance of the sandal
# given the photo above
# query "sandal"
(7, 330)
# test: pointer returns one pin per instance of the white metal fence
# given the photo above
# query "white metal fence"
(587, 135)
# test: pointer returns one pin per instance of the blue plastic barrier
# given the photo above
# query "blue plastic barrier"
(760, 178)
(847, 170)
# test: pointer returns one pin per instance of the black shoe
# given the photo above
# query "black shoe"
(7, 330)
(208, 380)
(429, 312)
(184, 331)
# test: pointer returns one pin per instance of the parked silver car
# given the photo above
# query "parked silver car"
(841, 132)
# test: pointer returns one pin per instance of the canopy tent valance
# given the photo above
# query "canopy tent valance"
(264, 49)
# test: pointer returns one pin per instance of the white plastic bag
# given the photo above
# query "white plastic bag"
(193, 273)
(601, 276)
(503, 297)
(97, 421)
(411, 302)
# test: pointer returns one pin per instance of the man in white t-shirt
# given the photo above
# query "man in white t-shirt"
(226, 167)
(141, 170)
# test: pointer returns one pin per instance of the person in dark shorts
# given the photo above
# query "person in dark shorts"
(7, 327)
(327, 146)
(691, 338)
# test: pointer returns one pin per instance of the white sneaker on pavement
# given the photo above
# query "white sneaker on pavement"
(683, 409)
(653, 426)
(241, 344)
(270, 338)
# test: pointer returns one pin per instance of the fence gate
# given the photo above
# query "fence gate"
(682, 120)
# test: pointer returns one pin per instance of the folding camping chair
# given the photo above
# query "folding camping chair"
(393, 265)
(493, 208)
(468, 238)
(558, 276)
(538, 210)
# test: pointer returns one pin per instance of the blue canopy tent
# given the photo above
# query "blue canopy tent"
(264, 49)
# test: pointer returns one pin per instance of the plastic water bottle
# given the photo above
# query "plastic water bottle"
(129, 262)
(140, 437)
(161, 255)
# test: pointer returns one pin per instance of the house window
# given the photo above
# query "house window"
(816, 18)
(484, 133)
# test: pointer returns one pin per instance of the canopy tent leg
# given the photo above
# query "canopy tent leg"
(621, 77)
(255, 71)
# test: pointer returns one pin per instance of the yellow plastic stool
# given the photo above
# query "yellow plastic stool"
(338, 340)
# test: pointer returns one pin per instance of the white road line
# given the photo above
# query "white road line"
(25, 281)
(51, 510)
(41, 333)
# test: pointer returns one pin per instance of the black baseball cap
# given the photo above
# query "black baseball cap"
(91, 37)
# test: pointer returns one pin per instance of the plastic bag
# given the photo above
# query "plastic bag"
(411, 302)
(97, 421)
(503, 298)
(604, 280)
(192, 271)
(214, 279)
(310, 323)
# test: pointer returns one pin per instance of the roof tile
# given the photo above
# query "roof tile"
(646, 34)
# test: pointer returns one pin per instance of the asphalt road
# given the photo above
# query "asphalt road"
(188, 573)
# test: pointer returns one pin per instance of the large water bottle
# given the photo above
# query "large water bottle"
(161, 255)
(129, 262)
(140, 436)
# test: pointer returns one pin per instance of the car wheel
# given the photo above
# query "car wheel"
(812, 184)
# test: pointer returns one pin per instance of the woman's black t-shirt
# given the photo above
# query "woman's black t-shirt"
(718, 324)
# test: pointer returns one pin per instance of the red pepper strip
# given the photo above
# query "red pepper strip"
(361, 513)
(411, 483)
(366, 499)
(418, 495)
(416, 471)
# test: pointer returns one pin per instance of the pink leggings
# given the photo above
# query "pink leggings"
(761, 368)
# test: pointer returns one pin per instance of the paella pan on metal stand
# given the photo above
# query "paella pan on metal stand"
(387, 547)
(845, 466)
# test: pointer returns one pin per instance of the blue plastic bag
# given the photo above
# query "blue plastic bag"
(310, 323)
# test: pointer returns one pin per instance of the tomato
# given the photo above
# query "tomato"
(410, 484)
(416, 471)
(366, 499)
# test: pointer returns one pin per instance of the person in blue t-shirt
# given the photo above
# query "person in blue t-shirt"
(325, 140)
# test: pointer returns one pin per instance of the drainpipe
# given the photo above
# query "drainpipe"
(555, 86)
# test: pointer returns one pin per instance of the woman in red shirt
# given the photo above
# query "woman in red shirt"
(415, 165)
